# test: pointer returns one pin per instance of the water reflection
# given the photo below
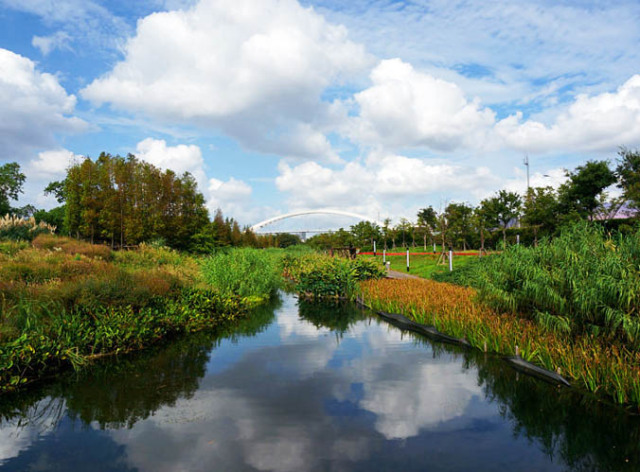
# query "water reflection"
(321, 386)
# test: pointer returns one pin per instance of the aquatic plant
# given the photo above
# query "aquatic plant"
(245, 272)
(583, 281)
(607, 367)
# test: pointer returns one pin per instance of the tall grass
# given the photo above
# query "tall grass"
(609, 368)
(584, 281)
(244, 272)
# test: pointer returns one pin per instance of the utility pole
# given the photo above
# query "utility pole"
(526, 163)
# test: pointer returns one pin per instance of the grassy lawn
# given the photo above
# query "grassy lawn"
(422, 266)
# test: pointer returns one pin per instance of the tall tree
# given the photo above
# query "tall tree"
(11, 181)
(501, 210)
(580, 193)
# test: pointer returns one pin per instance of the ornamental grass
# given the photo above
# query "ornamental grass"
(607, 368)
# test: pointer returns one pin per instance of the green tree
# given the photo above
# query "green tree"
(11, 181)
(479, 220)
(580, 193)
(124, 200)
(459, 222)
(541, 210)
(427, 223)
(364, 233)
(501, 210)
(628, 173)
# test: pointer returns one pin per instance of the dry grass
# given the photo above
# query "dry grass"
(72, 246)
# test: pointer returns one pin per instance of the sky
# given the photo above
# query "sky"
(377, 107)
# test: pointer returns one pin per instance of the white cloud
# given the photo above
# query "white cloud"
(406, 108)
(46, 44)
(591, 123)
(256, 70)
(388, 178)
(233, 197)
(83, 20)
(51, 164)
(502, 51)
(551, 178)
(180, 158)
(33, 108)
(405, 406)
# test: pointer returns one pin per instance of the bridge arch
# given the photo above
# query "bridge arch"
(269, 221)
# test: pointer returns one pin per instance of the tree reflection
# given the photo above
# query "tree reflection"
(118, 392)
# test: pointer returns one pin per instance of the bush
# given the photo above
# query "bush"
(323, 276)
(14, 228)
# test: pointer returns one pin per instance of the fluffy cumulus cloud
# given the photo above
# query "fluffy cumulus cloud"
(34, 108)
(180, 158)
(52, 164)
(388, 178)
(256, 70)
(407, 108)
(233, 197)
(591, 123)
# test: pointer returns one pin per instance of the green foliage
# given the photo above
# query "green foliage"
(628, 173)
(125, 201)
(580, 193)
(16, 228)
(364, 233)
(64, 302)
(583, 281)
(459, 224)
(11, 181)
(464, 274)
(541, 210)
(53, 217)
(500, 210)
(323, 276)
(246, 272)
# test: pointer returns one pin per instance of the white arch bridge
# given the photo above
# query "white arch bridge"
(303, 233)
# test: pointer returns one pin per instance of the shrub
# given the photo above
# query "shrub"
(323, 276)
(72, 246)
(22, 229)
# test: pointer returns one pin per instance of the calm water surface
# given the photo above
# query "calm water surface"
(304, 386)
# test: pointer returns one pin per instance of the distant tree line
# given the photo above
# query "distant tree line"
(123, 201)
(506, 215)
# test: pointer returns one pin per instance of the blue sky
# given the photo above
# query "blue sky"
(377, 107)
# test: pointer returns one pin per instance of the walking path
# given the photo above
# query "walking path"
(394, 274)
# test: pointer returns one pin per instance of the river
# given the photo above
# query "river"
(311, 386)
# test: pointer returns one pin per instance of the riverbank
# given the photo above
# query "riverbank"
(609, 369)
(65, 302)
